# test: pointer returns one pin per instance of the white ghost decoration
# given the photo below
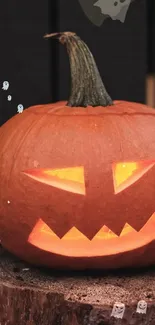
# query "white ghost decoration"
(116, 9)
(5, 85)
(118, 310)
(20, 108)
(141, 307)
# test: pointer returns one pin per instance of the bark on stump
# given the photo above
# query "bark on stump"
(31, 296)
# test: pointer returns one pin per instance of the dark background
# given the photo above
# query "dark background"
(151, 35)
(38, 70)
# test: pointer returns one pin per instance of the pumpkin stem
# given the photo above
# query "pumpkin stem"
(87, 88)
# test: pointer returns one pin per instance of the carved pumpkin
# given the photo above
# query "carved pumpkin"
(78, 178)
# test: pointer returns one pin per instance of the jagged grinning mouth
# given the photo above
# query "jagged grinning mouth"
(105, 242)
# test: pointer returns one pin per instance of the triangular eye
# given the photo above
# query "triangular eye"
(127, 173)
(67, 179)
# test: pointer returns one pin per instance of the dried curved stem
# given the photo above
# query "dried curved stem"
(87, 88)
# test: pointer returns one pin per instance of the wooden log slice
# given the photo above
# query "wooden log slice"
(33, 296)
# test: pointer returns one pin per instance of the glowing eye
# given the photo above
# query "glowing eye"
(127, 173)
(67, 179)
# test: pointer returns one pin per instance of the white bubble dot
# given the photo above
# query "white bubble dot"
(9, 98)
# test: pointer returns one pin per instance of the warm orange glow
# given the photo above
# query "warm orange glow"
(74, 234)
(127, 173)
(74, 243)
(127, 229)
(106, 233)
(68, 179)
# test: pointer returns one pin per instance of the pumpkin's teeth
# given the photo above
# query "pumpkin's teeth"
(75, 234)
(114, 227)
(103, 233)
(127, 229)
(106, 233)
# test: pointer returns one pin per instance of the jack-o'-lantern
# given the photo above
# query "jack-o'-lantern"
(78, 178)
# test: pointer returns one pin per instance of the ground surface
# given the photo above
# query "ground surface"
(87, 297)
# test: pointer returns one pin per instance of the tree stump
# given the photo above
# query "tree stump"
(34, 296)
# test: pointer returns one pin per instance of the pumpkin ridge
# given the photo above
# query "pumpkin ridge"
(100, 114)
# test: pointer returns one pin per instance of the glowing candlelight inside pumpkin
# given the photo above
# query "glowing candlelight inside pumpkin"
(127, 173)
(70, 179)
(75, 243)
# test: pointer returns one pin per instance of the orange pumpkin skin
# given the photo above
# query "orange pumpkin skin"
(56, 136)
